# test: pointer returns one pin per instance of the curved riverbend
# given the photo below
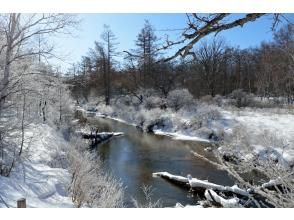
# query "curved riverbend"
(135, 156)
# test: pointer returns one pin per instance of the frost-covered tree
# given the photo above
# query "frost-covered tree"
(24, 79)
(179, 98)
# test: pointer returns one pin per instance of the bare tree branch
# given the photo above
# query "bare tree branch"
(203, 26)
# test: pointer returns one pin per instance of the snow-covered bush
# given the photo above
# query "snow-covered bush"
(8, 156)
(179, 98)
(206, 98)
(241, 98)
(92, 186)
(218, 100)
(105, 109)
(154, 119)
(148, 92)
(127, 113)
(208, 113)
(262, 158)
(148, 203)
(205, 132)
(153, 102)
(124, 100)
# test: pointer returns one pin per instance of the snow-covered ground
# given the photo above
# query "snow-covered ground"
(269, 133)
(279, 124)
(39, 176)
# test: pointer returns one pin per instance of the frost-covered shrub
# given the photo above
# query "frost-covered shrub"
(91, 186)
(196, 123)
(241, 98)
(148, 203)
(219, 133)
(179, 98)
(260, 102)
(153, 102)
(267, 154)
(105, 109)
(148, 92)
(125, 100)
(218, 100)
(208, 112)
(154, 119)
(205, 132)
(206, 98)
(8, 157)
(163, 123)
(127, 113)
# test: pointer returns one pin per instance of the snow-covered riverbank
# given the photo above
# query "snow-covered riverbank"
(267, 133)
(263, 134)
(179, 126)
(40, 176)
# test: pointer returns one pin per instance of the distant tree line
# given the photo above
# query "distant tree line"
(215, 69)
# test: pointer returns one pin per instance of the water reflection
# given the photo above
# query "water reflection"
(135, 156)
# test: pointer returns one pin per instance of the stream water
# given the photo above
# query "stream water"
(136, 155)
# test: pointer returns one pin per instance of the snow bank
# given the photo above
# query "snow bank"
(203, 123)
(269, 134)
(178, 136)
(39, 176)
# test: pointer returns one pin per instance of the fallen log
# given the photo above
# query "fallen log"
(98, 137)
(178, 180)
(197, 184)
(213, 197)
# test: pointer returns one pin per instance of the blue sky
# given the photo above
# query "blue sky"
(127, 26)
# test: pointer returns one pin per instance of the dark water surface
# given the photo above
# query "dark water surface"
(136, 155)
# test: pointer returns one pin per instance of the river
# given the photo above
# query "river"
(135, 156)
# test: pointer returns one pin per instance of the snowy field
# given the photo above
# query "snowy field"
(268, 132)
(39, 176)
(258, 121)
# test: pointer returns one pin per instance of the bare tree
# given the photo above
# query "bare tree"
(108, 52)
(146, 50)
(210, 57)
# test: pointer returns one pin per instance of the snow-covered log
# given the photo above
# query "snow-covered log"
(100, 135)
(180, 180)
(195, 183)
(212, 196)
(97, 138)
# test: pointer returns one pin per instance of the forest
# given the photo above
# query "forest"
(218, 68)
(166, 117)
